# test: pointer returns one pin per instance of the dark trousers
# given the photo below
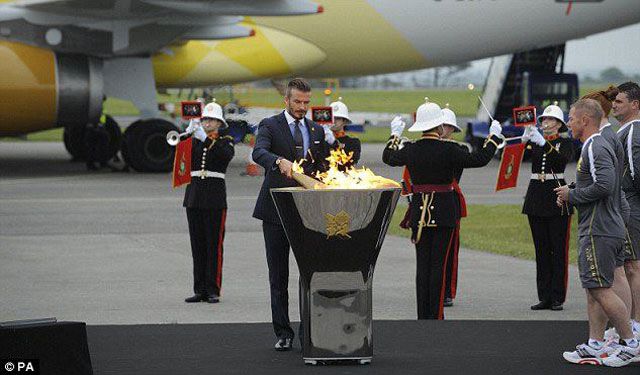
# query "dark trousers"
(551, 240)
(206, 231)
(277, 247)
(451, 287)
(431, 258)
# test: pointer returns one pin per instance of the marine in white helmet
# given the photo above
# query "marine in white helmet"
(205, 200)
(433, 163)
(340, 120)
(549, 223)
(450, 125)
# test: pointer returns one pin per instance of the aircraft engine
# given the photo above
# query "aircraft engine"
(40, 89)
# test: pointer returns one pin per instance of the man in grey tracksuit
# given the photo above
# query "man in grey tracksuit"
(597, 196)
(626, 109)
(620, 283)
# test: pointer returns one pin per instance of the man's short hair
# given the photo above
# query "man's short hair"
(631, 89)
(589, 107)
(298, 84)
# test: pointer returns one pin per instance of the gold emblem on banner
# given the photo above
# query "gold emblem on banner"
(183, 166)
(509, 170)
(338, 225)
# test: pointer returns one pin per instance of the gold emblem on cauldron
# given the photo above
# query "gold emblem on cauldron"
(338, 224)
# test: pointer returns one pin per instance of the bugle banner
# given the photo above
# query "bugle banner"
(510, 166)
(182, 163)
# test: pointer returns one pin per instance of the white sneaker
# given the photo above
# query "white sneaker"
(622, 356)
(587, 355)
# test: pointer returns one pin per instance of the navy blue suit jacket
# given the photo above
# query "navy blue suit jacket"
(275, 140)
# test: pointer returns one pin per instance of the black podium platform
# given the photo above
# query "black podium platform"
(401, 347)
(57, 348)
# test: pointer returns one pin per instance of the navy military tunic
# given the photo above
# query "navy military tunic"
(206, 202)
(550, 225)
(433, 165)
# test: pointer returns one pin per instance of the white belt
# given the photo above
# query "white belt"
(546, 176)
(203, 174)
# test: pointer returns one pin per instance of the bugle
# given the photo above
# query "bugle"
(505, 140)
(173, 137)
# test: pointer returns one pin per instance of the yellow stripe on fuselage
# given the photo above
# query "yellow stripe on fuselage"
(256, 53)
(174, 63)
(265, 55)
(354, 36)
(349, 38)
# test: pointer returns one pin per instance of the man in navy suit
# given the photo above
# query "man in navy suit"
(283, 139)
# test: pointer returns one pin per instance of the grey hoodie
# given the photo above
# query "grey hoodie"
(597, 194)
(629, 135)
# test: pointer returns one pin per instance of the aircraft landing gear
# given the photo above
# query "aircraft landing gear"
(145, 147)
(73, 138)
(81, 148)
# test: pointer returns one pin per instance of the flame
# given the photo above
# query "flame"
(342, 175)
(297, 166)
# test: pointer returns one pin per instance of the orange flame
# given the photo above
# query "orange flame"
(342, 175)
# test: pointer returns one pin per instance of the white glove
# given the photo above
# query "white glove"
(526, 136)
(200, 134)
(192, 125)
(397, 126)
(495, 128)
(537, 138)
(328, 135)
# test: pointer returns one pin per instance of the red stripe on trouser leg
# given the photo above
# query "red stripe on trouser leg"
(220, 249)
(566, 257)
(406, 177)
(454, 267)
(444, 279)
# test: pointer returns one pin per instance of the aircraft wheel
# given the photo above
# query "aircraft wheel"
(115, 135)
(145, 146)
(73, 138)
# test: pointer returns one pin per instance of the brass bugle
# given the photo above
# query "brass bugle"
(173, 137)
(505, 140)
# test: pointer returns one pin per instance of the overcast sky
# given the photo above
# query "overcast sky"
(619, 47)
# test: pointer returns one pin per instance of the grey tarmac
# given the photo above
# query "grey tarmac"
(113, 248)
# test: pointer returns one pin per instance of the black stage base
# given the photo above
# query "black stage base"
(50, 347)
(402, 347)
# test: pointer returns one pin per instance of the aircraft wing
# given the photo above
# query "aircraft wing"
(108, 28)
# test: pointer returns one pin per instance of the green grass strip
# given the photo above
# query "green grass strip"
(499, 229)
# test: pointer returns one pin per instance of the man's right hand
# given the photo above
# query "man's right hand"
(193, 123)
(397, 126)
(537, 138)
(285, 167)
(495, 128)
(526, 136)
(199, 133)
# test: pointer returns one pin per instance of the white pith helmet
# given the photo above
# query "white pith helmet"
(428, 116)
(340, 110)
(450, 118)
(214, 111)
(555, 112)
